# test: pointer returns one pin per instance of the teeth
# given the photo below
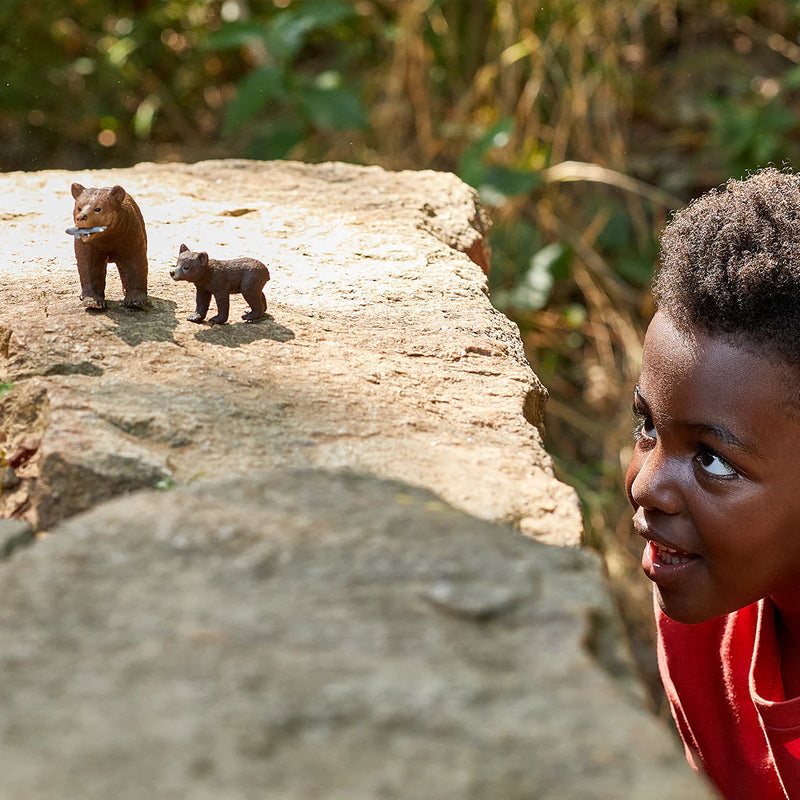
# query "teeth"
(666, 555)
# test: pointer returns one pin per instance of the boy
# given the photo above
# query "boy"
(715, 481)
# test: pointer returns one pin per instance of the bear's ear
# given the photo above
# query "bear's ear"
(117, 193)
(77, 190)
(183, 249)
(202, 258)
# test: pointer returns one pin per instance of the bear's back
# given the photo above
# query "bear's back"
(232, 273)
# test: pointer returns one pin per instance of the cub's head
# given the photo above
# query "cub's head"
(190, 266)
(95, 208)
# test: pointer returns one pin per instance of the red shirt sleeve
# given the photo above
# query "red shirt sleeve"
(705, 669)
(780, 718)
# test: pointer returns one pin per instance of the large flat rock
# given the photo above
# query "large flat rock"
(382, 351)
(307, 635)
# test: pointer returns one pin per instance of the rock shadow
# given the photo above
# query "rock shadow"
(239, 333)
(156, 323)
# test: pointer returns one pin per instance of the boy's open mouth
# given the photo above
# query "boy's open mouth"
(667, 566)
(670, 556)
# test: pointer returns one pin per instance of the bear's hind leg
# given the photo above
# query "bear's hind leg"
(258, 305)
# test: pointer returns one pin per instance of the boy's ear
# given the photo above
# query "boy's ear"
(77, 190)
(117, 193)
(183, 249)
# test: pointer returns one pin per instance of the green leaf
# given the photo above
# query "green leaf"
(145, 116)
(533, 291)
(472, 166)
(332, 108)
(498, 135)
(637, 270)
(500, 183)
(234, 35)
(252, 94)
(791, 78)
(287, 33)
(324, 13)
(512, 243)
(277, 138)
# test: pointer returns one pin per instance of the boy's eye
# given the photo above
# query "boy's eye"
(715, 465)
(644, 429)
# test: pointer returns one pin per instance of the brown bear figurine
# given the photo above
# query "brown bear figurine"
(114, 231)
(211, 276)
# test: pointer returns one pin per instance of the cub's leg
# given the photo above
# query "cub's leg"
(251, 291)
(201, 306)
(258, 307)
(223, 306)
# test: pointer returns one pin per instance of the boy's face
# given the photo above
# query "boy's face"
(715, 474)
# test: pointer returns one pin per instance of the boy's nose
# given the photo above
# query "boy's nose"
(655, 485)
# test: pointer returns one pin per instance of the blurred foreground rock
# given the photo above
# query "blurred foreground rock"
(279, 626)
(303, 634)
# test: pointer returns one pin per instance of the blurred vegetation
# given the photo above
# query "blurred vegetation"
(582, 123)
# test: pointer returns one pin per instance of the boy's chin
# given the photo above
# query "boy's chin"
(679, 609)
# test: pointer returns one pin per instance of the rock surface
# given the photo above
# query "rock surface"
(275, 626)
(382, 351)
(299, 635)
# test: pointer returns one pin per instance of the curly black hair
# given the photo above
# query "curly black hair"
(730, 263)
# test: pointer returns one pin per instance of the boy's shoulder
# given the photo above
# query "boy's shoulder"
(721, 715)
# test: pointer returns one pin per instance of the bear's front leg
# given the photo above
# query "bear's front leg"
(133, 274)
(223, 306)
(201, 305)
(92, 273)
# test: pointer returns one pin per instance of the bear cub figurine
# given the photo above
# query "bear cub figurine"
(109, 227)
(212, 276)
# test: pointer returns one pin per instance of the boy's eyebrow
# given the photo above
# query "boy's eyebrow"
(720, 432)
(726, 436)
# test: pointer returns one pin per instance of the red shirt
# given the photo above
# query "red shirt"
(723, 682)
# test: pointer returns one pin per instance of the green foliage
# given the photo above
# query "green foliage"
(751, 133)
(512, 248)
(287, 101)
(253, 93)
(82, 85)
(496, 182)
(632, 258)
(532, 290)
(284, 34)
